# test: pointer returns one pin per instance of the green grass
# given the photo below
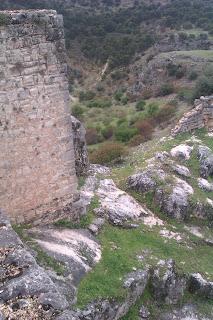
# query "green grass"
(206, 54)
(120, 249)
(42, 257)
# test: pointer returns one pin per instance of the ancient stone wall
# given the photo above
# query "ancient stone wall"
(199, 117)
(37, 165)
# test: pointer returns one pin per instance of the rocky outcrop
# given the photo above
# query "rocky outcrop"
(174, 199)
(201, 286)
(171, 194)
(167, 285)
(199, 117)
(116, 205)
(135, 284)
(80, 147)
(22, 281)
(187, 312)
(205, 156)
(146, 180)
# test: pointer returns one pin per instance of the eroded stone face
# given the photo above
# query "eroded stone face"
(37, 165)
(199, 117)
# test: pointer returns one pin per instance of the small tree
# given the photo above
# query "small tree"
(108, 152)
(77, 110)
(140, 105)
(166, 89)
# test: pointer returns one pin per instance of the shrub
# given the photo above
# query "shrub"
(140, 105)
(77, 110)
(92, 136)
(108, 152)
(166, 89)
(118, 95)
(121, 120)
(186, 94)
(124, 132)
(107, 132)
(99, 103)
(124, 100)
(145, 128)
(4, 19)
(193, 75)
(204, 87)
(136, 140)
(175, 70)
(152, 109)
(165, 113)
(86, 95)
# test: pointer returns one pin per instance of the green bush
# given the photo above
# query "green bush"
(99, 103)
(166, 89)
(174, 70)
(118, 95)
(186, 94)
(152, 109)
(193, 75)
(140, 105)
(107, 132)
(4, 19)
(124, 100)
(108, 152)
(124, 132)
(204, 87)
(77, 110)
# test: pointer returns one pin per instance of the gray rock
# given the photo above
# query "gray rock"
(21, 258)
(146, 180)
(205, 156)
(162, 156)
(68, 315)
(182, 151)
(167, 285)
(174, 199)
(144, 313)
(32, 282)
(116, 205)
(187, 312)
(181, 170)
(205, 185)
(54, 300)
(201, 286)
(95, 169)
(96, 225)
(81, 154)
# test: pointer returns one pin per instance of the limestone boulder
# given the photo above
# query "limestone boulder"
(116, 205)
(181, 170)
(205, 184)
(187, 312)
(174, 199)
(146, 180)
(181, 151)
(167, 285)
(205, 156)
(201, 286)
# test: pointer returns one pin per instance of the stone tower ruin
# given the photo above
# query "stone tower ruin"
(37, 165)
